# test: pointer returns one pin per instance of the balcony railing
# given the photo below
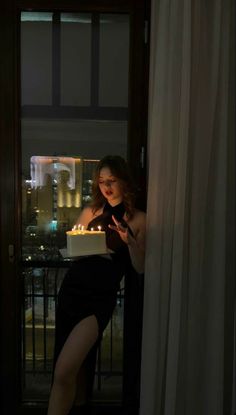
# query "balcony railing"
(40, 289)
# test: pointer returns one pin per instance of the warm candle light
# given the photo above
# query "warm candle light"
(86, 242)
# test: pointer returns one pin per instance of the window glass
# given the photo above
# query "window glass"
(74, 107)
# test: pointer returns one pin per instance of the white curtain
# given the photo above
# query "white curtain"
(187, 347)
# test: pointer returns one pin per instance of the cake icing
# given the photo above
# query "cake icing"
(86, 242)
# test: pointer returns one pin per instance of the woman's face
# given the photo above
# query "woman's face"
(110, 186)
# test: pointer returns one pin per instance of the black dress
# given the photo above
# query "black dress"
(90, 285)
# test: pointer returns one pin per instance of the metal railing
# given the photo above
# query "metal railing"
(40, 289)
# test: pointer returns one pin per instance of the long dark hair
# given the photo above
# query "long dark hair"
(120, 170)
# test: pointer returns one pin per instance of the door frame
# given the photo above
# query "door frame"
(10, 162)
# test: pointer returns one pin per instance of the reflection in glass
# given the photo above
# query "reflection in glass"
(75, 58)
(114, 53)
(36, 58)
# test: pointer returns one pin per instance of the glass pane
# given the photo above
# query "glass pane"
(61, 146)
(52, 200)
(36, 58)
(81, 138)
(40, 293)
(75, 59)
(114, 60)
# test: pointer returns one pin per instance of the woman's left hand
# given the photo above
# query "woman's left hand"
(122, 230)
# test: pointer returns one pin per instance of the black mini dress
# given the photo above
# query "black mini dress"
(91, 283)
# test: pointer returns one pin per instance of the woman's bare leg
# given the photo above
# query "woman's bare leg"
(81, 387)
(79, 342)
(85, 378)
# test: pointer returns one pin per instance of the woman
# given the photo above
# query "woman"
(88, 293)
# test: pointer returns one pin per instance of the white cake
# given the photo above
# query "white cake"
(85, 243)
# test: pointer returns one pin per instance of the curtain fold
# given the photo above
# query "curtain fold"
(190, 268)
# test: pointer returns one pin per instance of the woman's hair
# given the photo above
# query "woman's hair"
(120, 170)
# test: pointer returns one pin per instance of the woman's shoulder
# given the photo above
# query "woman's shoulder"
(87, 209)
(88, 214)
(138, 219)
(139, 215)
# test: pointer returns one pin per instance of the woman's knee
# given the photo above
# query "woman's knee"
(64, 375)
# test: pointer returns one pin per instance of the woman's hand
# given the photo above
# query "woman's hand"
(122, 229)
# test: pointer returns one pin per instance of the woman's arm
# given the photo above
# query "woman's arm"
(85, 217)
(136, 246)
(136, 243)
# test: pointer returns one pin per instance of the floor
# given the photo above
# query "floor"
(104, 410)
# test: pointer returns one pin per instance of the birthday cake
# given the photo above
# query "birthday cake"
(85, 242)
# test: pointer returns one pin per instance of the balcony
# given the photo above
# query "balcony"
(40, 287)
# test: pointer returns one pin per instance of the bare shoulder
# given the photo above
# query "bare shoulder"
(138, 222)
(139, 217)
(87, 210)
(140, 214)
(85, 216)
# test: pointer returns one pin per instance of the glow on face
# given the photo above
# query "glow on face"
(110, 186)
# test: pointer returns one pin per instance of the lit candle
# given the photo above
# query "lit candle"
(91, 229)
(99, 228)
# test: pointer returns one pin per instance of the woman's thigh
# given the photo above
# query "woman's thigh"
(79, 342)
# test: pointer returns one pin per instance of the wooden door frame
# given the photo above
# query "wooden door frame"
(10, 207)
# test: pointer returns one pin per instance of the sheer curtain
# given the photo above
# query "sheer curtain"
(188, 322)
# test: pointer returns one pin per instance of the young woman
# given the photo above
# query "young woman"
(88, 293)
